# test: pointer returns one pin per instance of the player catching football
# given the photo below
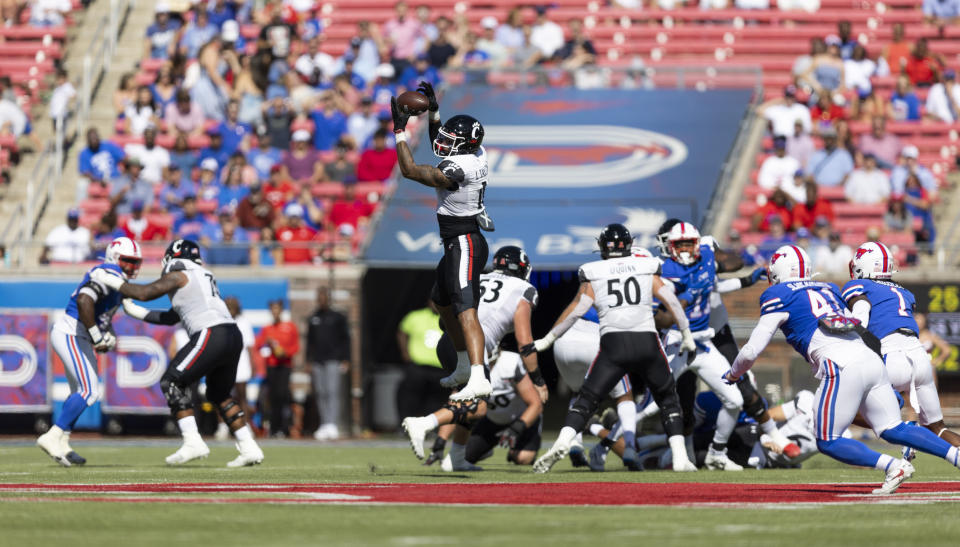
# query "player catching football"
(460, 180)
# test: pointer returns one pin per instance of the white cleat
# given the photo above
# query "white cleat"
(72, 457)
(900, 471)
(685, 466)
(447, 465)
(477, 388)
(458, 378)
(51, 443)
(416, 430)
(598, 457)
(249, 455)
(222, 433)
(717, 460)
(548, 460)
(327, 432)
(189, 451)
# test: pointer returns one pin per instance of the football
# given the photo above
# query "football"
(415, 103)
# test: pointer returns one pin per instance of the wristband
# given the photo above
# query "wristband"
(746, 281)
(435, 116)
(400, 136)
(537, 377)
(95, 333)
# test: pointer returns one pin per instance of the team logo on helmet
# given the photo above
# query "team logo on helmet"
(773, 259)
(861, 251)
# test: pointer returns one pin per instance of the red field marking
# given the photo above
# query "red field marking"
(590, 493)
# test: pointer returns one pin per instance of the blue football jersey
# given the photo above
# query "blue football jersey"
(694, 283)
(108, 300)
(706, 408)
(591, 315)
(806, 302)
(891, 306)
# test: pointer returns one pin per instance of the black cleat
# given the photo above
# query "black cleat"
(75, 459)
(577, 457)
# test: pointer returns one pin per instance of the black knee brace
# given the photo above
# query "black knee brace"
(179, 398)
(461, 411)
(583, 408)
(230, 419)
(753, 403)
(671, 414)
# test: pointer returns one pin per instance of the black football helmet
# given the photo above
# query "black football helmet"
(511, 260)
(615, 241)
(184, 249)
(662, 232)
(460, 134)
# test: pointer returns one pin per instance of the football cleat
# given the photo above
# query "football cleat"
(577, 456)
(717, 460)
(72, 457)
(447, 465)
(909, 453)
(249, 455)
(548, 460)
(899, 471)
(631, 459)
(598, 457)
(416, 430)
(189, 451)
(477, 388)
(50, 443)
(684, 465)
(791, 450)
(458, 378)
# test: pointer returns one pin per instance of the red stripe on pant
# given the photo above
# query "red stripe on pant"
(825, 415)
(470, 252)
(81, 368)
(197, 356)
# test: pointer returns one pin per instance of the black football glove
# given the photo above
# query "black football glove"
(400, 115)
(508, 439)
(527, 349)
(426, 89)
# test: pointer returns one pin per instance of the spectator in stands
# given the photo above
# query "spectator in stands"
(302, 163)
(418, 72)
(105, 230)
(847, 42)
(898, 218)
(832, 165)
(833, 258)
(510, 33)
(341, 169)
(920, 205)
(858, 69)
(777, 170)
(278, 190)
(183, 157)
(825, 73)
(441, 49)
(226, 244)
(802, 64)
(189, 223)
(184, 115)
(366, 47)
(782, 115)
(254, 211)
(826, 112)
(249, 90)
(922, 65)
(295, 237)
(349, 210)
(377, 163)
(67, 243)
(805, 214)
(232, 191)
(176, 187)
(496, 52)
(312, 207)
(941, 12)
(897, 51)
(197, 33)
(221, 11)
(578, 50)
(800, 145)
(796, 188)
(161, 40)
(129, 188)
(139, 227)
(279, 343)
(776, 236)
(215, 150)
(49, 13)
(884, 146)
(315, 65)
(164, 89)
(278, 114)
(943, 99)
(125, 94)
(235, 134)
(748, 253)
(62, 98)
(402, 34)
(471, 57)
(98, 161)
(870, 105)
(329, 121)
(153, 158)
(909, 165)
(265, 155)
(384, 87)
(208, 187)
(546, 35)
(430, 32)
(141, 113)
(13, 120)
(210, 90)
(362, 123)
(777, 207)
(905, 104)
(868, 184)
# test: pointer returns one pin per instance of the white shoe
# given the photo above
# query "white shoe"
(477, 388)
(718, 460)
(447, 465)
(548, 460)
(190, 450)
(598, 457)
(72, 457)
(685, 466)
(222, 433)
(458, 378)
(50, 443)
(249, 455)
(416, 430)
(327, 432)
(900, 471)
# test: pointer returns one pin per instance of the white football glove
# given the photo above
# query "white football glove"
(687, 343)
(105, 277)
(542, 344)
(102, 341)
(134, 310)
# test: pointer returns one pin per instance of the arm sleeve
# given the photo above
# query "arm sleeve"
(168, 317)
(581, 308)
(665, 295)
(729, 285)
(861, 311)
(761, 336)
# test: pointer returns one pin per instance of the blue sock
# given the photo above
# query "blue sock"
(917, 437)
(849, 451)
(630, 438)
(73, 407)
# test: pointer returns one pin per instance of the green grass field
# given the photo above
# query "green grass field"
(44, 518)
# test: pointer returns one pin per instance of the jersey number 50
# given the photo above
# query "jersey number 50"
(630, 293)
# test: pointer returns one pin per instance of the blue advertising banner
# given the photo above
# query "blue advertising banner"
(24, 367)
(565, 162)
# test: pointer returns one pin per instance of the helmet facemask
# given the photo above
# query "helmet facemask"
(685, 251)
(130, 265)
(447, 144)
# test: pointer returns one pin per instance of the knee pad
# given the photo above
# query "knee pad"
(461, 411)
(230, 419)
(586, 404)
(753, 404)
(178, 398)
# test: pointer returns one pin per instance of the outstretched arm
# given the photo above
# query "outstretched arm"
(759, 338)
(167, 283)
(168, 317)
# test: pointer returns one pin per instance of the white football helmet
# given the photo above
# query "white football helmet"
(684, 232)
(789, 263)
(873, 260)
(640, 252)
(125, 253)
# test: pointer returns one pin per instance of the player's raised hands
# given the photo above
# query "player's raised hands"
(400, 115)
(426, 89)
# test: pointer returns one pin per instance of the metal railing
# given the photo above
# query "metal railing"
(99, 55)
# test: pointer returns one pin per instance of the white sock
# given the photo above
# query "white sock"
(432, 420)
(595, 429)
(566, 436)
(678, 445)
(244, 434)
(463, 360)
(458, 452)
(953, 456)
(188, 428)
(884, 462)
(477, 371)
(648, 411)
(627, 411)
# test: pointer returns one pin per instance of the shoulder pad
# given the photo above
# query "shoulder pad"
(531, 296)
(452, 171)
(710, 242)
(582, 274)
(771, 301)
(175, 266)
